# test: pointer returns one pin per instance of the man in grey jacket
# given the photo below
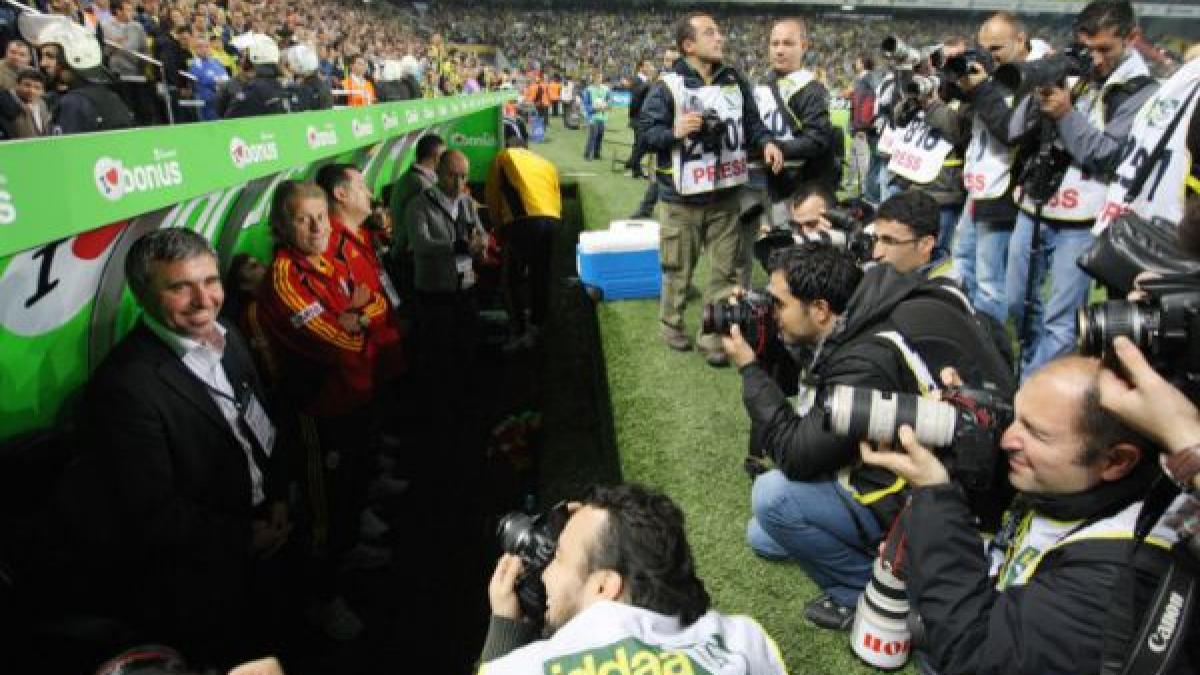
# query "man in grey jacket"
(446, 238)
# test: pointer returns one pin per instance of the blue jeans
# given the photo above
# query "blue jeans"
(594, 138)
(1054, 328)
(947, 220)
(886, 188)
(981, 258)
(807, 521)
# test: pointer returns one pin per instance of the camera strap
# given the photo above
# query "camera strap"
(1167, 621)
(788, 115)
(1143, 172)
(1164, 625)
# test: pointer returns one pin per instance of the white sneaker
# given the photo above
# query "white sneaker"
(366, 557)
(371, 526)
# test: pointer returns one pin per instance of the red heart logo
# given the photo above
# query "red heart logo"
(112, 176)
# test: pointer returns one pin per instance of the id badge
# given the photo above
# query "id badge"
(260, 425)
(466, 271)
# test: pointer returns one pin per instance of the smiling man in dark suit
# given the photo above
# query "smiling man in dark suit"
(175, 416)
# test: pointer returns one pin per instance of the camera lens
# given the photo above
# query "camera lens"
(872, 415)
(1101, 323)
(513, 532)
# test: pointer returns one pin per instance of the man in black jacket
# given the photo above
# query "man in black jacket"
(174, 421)
(802, 127)
(981, 246)
(702, 121)
(818, 506)
(1050, 592)
(641, 86)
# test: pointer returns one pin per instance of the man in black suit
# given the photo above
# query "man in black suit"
(175, 422)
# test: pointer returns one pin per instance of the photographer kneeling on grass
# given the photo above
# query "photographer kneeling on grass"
(884, 330)
(1050, 594)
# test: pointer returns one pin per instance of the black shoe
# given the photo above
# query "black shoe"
(826, 613)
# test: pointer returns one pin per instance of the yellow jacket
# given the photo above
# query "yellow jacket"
(522, 184)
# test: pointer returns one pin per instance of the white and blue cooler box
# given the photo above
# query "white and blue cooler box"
(622, 261)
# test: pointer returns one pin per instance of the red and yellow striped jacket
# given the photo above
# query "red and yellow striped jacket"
(329, 369)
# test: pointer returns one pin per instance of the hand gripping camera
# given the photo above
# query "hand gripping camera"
(964, 427)
(1166, 328)
(752, 313)
(533, 539)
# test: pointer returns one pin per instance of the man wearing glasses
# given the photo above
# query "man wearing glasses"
(906, 235)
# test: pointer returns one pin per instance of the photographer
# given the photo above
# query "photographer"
(981, 249)
(1092, 121)
(1044, 596)
(906, 235)
(818, 506)
(1163, 195)
(929, 152)
(621, 589)
(702, 121)
(795, 107)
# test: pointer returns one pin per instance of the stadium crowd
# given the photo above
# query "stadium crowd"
(234, 462)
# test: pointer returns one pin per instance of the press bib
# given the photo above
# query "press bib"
(698, 170)
(987, 167)
(1165, 190)
(919, 152)
(1081, 198)
(773, 117)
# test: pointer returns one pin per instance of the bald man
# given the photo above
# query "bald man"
(981, 249)
(1041, 597)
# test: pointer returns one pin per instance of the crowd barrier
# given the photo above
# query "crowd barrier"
(70, 207)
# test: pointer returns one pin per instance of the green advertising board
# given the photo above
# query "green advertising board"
(70, 207)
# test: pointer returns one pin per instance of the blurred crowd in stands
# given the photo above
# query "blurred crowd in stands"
(199, 55)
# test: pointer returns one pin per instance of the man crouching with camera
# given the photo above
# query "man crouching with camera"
(819, 506)
(1046, 595)
(621, 595)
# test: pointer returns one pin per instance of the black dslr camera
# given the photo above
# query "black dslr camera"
(533, 539)
(1052, 70)
(959, 66)
(712, 133)
(964, 427)
(752, 313)
(1166, 328)
(848, 234)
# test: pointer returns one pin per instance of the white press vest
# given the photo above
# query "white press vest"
(695, 169)
(920, 151)
(1165, 190)
(1080, 198)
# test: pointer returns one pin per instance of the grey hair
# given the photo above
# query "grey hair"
(168, 245)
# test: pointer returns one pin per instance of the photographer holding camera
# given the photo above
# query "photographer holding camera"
(981, 249)
(883, 330)
(1049, 595)
(1091, 121)
(928, 153)
(703, 122)
(621, 591)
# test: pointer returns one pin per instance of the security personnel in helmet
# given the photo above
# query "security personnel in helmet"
(89, 104)
(309, 90)
(265, 94)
